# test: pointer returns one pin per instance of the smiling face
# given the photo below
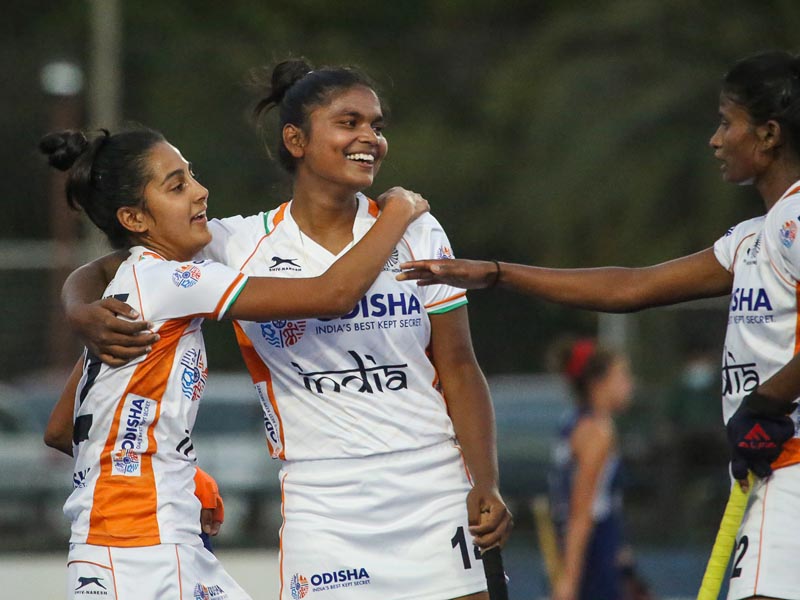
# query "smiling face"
(172, 220)
(344, 145)
(739, 144)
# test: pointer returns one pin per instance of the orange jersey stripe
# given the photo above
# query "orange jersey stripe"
(373, 208)
(259, 372)
(226, 296)
(124, 508)
(275, 222)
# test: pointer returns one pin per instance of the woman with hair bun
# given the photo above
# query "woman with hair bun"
(382, 417)
(758, 263)
(135, 517)
(586, 497)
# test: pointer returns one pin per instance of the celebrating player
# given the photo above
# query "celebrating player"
(365, 410)
(135, 517)
(758, 262)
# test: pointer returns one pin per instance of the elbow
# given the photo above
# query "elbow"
(58, 441)
(340, 300)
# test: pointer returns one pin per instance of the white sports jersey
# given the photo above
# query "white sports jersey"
(764, 318)
(134, 460)
(358, 385)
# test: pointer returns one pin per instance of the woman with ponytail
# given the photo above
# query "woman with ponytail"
(383, 418)
(586, 496)
(758, 262)
(136, 506)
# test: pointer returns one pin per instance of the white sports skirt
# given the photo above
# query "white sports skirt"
(766, 559)
(165, 571)
(387, 526)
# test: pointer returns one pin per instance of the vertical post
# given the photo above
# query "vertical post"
(105, 87)
(63, 83)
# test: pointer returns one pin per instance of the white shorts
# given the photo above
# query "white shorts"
(765, 560)
(387, 526)
(163, 572)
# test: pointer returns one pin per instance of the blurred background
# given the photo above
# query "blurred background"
(546, 132)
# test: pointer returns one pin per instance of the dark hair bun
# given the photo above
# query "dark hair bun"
(285, 75)
(62, 148)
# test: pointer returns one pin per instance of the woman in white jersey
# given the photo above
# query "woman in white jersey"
(135, 517)
(379, 500)
(758, 263)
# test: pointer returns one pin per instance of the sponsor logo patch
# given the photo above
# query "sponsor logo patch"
(195, 374)
(298, 586)
(280, 334)
(444, 252)
(137, 415)
(210, 592)
(787, 233)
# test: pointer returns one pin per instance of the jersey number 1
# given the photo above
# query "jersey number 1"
(459, 540)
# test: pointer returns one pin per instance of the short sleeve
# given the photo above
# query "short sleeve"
(202, 288)
(430, 241)
(781, 229)
(725, 249)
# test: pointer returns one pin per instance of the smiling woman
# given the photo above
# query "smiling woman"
(129, 427)
(383, 417)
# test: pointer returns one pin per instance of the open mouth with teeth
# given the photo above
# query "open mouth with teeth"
(361, 157)
(199, 217)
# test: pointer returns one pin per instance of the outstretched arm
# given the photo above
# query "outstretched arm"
(470, 407)
(607, 289)
(336, 291)
(58, 433)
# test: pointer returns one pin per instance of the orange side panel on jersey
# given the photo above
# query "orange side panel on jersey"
(275, 222)
(790, 454)
(124, 507)
(259, 372)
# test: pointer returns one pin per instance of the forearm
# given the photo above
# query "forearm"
(58, 433)
(87, 283)
(579, 529)
(783, 386)
(471, 411)
(349, 278)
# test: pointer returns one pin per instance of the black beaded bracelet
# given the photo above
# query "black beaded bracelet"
(496, 275)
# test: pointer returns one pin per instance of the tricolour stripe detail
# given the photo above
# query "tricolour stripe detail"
(372, 208)
(124, 509)
(230, 296)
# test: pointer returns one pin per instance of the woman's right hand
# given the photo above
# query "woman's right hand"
(462, 273)
(114, 340)
(398, 196)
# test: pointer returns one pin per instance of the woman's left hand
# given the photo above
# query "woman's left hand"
(490, 521)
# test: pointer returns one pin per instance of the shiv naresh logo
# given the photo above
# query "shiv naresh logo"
(86, 581)
(284, 264)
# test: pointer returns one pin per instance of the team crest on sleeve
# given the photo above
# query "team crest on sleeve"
(444, 252)
(788, 232)
(280, 334)
(186, 276)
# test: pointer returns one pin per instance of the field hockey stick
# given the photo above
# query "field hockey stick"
(548, 540)
(724, 542)
(495, 574)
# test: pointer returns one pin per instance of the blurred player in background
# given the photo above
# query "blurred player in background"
(134, 512)
(383, 417)
(758, 263)
(585, 487)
